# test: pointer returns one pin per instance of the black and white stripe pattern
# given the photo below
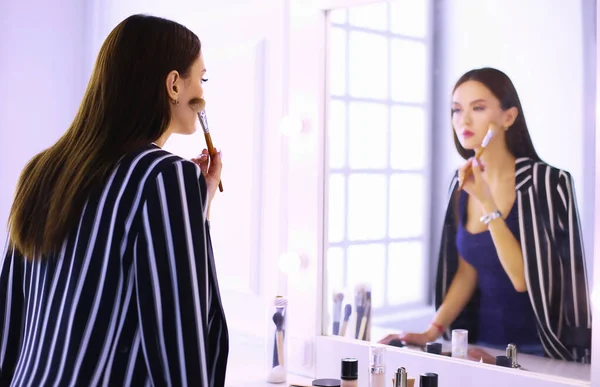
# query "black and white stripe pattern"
(552, 247)
(132, 298)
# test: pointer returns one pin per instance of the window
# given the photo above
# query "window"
(378, 151)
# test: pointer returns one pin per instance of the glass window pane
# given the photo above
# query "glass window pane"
(337, 61)
(366, 265)
(407, 205)
(338, 16)
(409, 69)
(335, 269)
(406, 261)
(373, 16)
(409, 17)
(368, 64)
(367, 209)
(336, 207)
(408, 138)
(336, 134)
(368, 143)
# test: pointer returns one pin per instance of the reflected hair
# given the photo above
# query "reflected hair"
(518, 140)
(124, 108)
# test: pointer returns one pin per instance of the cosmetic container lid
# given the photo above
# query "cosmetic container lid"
(377, 356)
(349, 369)
(503, 361)
(428, 380)
(435, 348)
(326, 383)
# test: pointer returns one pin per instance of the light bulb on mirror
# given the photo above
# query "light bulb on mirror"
(291, 126)
(291, 262)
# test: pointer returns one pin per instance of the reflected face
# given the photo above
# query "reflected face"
(190, 92)
(474, 108)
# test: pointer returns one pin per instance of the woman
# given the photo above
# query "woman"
(512, 266)
(109, 276)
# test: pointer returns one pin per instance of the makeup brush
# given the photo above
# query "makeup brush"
(278, 320)
(347, 314)
(280, 306)
(338, 298)
(359, 299)
(469, 171)
(368, 315)
(364, 320)
(199, 106)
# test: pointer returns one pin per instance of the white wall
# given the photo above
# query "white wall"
(539, 44)
(43, 77)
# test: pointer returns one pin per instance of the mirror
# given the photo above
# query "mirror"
(397, 228)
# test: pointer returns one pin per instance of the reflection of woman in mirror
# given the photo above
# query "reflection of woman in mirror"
(512, 265)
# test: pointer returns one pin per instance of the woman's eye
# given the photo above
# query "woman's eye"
(479, 108)
(455, 111)
(204, 80)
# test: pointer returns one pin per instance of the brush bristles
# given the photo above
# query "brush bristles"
(338, 297)
(487, 138)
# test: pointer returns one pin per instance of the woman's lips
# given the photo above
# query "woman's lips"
(467, 134)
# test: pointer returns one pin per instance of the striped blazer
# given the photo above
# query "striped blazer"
(132, 297)
(555, 270)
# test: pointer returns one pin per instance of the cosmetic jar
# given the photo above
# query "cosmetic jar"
(460, 343)
(435, 348)
(326, 383)
(428, 380)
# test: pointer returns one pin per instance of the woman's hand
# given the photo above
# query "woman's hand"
(211, 169)
(476, 185)
(418, 339)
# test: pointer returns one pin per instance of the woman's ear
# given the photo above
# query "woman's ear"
(510, 116)
(172, 85)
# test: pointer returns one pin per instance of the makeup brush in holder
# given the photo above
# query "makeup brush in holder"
(277, 373)
(347, 314)
(338, 298)
(362, 298)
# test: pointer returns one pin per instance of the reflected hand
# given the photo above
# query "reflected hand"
(477, 354)
(476, 184)
(417, 339)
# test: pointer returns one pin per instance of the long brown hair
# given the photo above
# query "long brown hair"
(518, 140)
(124, 108)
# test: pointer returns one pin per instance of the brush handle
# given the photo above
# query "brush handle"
(360, 311)
(469, 171)
(211, 151)
(336, 327)
(363, 326)
(344, 327)
(280, 348)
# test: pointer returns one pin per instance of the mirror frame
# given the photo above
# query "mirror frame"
(303, 154)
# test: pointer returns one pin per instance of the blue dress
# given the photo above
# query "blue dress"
(505, 315)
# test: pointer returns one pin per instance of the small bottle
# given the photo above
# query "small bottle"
(503, 361)
(428, 380)
(401, 379)
(434, 347)
(349, 372)
(460, 343)
(377, 366)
